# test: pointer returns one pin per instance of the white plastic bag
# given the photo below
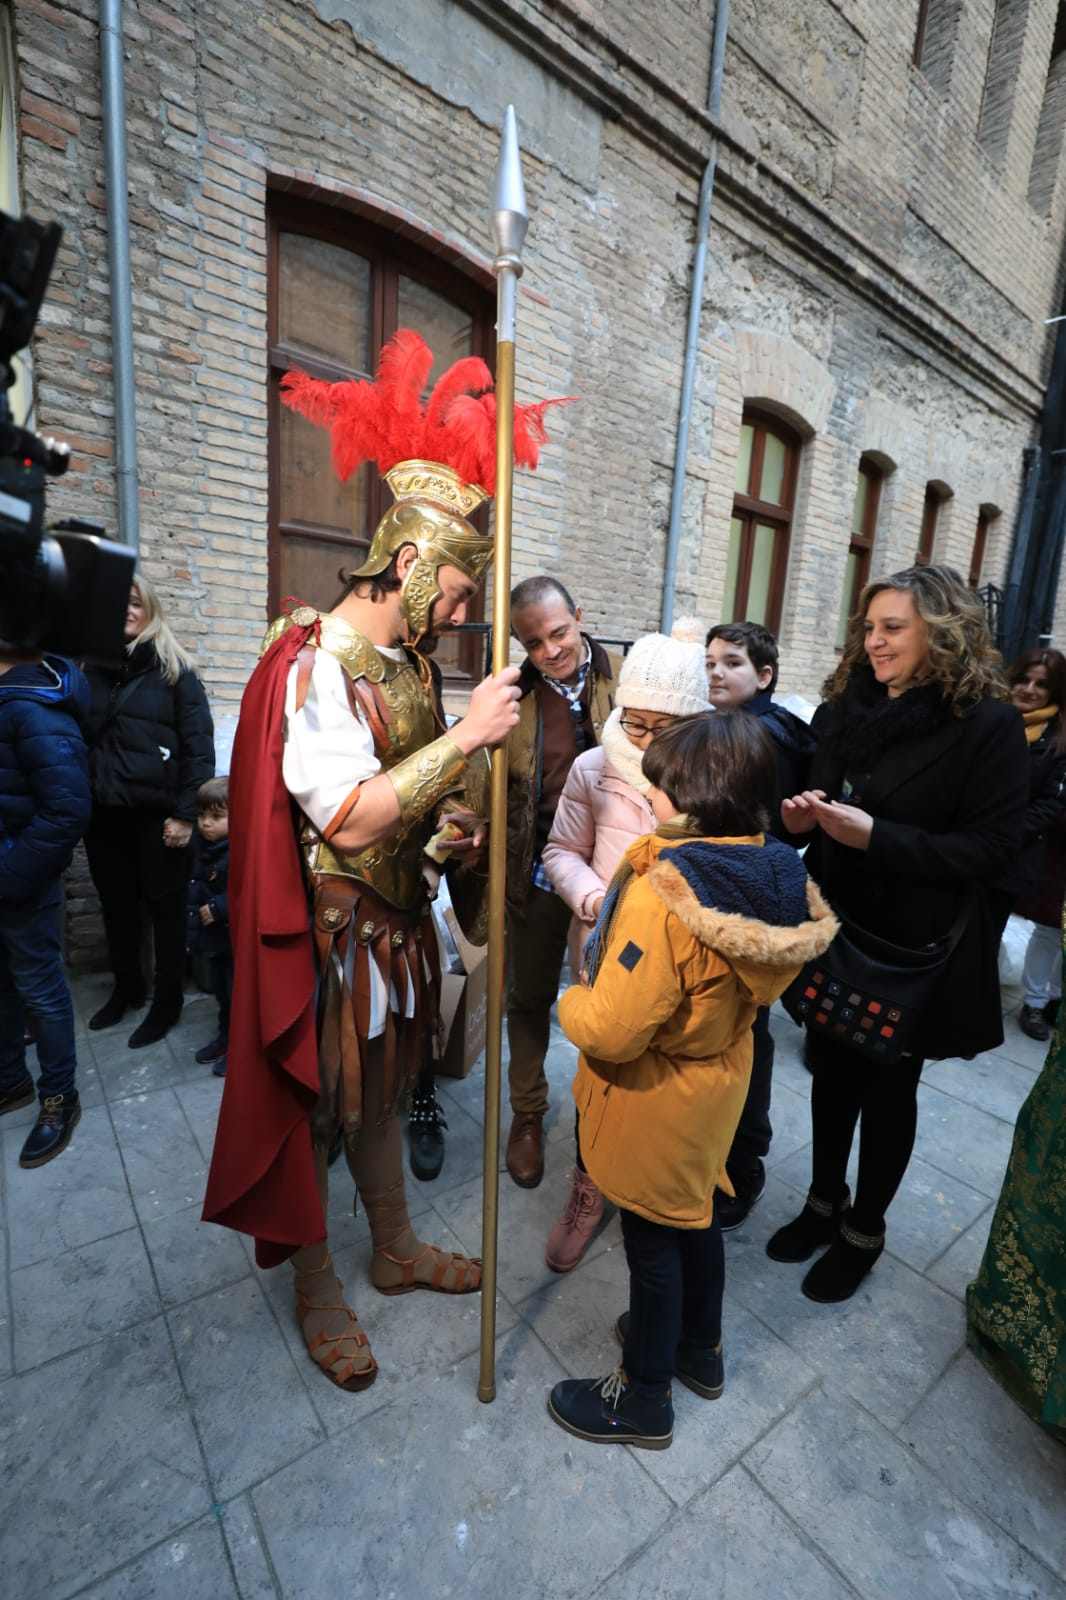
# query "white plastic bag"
(1012, 950)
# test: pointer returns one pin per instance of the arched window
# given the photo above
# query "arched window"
(934, 39)
(1001, 75)
(1047, 151)
(767, 463)
(860, 546)
(937, 495)
(985, 518)
(338, 287)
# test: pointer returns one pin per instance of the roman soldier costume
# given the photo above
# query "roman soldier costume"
(335, 963)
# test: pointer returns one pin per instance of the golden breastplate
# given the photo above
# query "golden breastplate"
(393, 866)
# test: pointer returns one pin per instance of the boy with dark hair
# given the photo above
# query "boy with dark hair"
(208, 914)
(742, 660)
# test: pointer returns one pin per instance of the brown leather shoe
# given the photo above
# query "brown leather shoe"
(525, 1148)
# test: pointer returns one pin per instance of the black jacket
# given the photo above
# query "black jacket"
(1047, 804)
(151, 743)
(794, 746)
(949, 807)
(208, 879)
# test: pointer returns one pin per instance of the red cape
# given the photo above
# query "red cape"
(262, 1177)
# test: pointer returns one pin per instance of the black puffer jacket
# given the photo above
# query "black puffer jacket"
(151, 743)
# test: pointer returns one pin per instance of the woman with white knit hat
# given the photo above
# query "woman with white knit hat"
(602, 810)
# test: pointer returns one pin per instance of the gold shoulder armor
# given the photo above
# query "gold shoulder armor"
(279, 626)
(356, 654)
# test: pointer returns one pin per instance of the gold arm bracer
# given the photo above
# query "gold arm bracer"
(422, 778)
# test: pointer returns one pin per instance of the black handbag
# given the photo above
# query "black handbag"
(869, 995)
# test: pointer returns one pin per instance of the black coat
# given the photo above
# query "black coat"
(949, 807)
(1047, 804)
(794, 746)
(151, 743)
(208, 886)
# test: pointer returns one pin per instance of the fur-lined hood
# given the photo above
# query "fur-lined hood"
(767, 915)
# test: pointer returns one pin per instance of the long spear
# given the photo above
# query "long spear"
(510, 219)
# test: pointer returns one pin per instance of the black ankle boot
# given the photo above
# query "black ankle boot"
(163, 1013)
(425, 1131)
(845, 1264)
(123, 998)
(816, 1225)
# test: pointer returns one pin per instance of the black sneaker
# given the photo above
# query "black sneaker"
(1032, 1021)
(50, 1134)
(208, 1054)
(732, 1209)
(1051, 1012)
(219, 1068)
(610, 1411)
(21, 1094)
(424, 1131)
(700, 1368)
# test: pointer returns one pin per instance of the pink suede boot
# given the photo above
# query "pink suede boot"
(575, 1229)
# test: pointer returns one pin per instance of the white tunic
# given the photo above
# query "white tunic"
(329, 751)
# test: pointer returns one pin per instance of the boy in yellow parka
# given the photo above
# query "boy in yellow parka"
(707, 919)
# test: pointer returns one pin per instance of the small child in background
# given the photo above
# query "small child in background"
(707, 918)
(207, 918)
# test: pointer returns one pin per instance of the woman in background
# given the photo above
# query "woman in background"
(151, 746)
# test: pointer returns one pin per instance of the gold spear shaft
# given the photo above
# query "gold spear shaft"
(510, 221)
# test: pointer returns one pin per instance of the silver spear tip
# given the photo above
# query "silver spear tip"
(510, 219)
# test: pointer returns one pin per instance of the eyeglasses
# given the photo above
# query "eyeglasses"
(639, 729)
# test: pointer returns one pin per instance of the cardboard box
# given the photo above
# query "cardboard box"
(464, 996)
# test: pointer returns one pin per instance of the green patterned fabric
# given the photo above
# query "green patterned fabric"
(1016, 1308)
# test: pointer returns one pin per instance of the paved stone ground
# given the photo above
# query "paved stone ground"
(164, 1434)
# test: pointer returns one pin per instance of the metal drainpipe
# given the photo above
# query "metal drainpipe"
(113, 88)
(695, 312)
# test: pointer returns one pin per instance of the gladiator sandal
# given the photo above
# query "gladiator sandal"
(427, 1267)
(335, 1340)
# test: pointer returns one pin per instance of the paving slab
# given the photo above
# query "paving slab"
(452, 1510)
(165, 1169)
(962, 1140)
(72, 1299)
(200, 1099)
(251, 1409)
(790, 1118)
(958, 1266)
(73, 1200)
(994, 1083)
(885, 1346)
(730, 1543)
(965, 1429)
(191, 1566)
(191, 1258)
(882, 1516)
(100, 1462)
(240, 1527)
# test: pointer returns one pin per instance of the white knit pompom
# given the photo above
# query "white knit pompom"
(688, 630)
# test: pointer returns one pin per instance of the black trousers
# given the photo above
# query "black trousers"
(883, 1101)
(676, 1281)
(751, 1142)
(132, 868)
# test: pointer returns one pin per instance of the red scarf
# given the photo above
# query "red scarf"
(262, 1177)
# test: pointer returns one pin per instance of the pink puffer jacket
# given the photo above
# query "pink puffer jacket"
(598, 817)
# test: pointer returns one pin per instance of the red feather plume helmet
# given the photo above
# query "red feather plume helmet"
(438, 456)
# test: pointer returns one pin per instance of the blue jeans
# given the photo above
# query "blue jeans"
(32, 982)
(676, 1281)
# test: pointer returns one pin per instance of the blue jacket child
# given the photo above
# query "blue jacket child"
(45, 806)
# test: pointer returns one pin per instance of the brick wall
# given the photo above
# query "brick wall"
(874, 274)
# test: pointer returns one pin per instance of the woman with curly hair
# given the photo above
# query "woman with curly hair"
(151, 746)
(917, 802)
